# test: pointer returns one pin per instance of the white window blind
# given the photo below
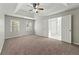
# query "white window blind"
(15, 25)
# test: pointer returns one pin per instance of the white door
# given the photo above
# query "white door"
(66, 28)
(55, 28)
(52, 28)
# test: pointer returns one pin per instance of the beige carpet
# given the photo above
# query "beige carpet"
(37, 45)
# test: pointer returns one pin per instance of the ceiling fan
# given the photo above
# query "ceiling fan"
(36, 7)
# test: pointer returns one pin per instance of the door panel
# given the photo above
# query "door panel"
(66, 28)
(55, 28)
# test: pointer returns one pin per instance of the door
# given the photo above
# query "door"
(55, 28)
(66, 28)
(52, 28)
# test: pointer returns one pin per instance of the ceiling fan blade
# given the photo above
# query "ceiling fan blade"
(34, 5)
(40, 8)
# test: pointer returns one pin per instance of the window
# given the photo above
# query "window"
(15, 25)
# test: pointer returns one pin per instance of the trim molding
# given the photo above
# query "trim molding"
(17, 36)
(76, 43)
(41, 36)
(12, 37)
(2, 47)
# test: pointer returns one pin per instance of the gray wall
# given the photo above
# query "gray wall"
(9, 34)
(75, 22)
(41, 26)
(1, 31)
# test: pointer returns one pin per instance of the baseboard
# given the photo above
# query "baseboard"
(42, 36)
(12, 37)
(76, 43)
(15, 36)
(2, 47)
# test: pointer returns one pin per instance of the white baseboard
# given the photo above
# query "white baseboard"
(2, 47)
(14, 36)
(17, 36)
(41, 36)
(76, 43)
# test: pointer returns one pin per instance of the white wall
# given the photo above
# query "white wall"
(1, 31)
(9, 34)
(41, 26)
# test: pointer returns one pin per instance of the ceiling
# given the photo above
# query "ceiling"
(22, 9)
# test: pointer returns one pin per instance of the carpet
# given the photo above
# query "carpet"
(37, 45)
